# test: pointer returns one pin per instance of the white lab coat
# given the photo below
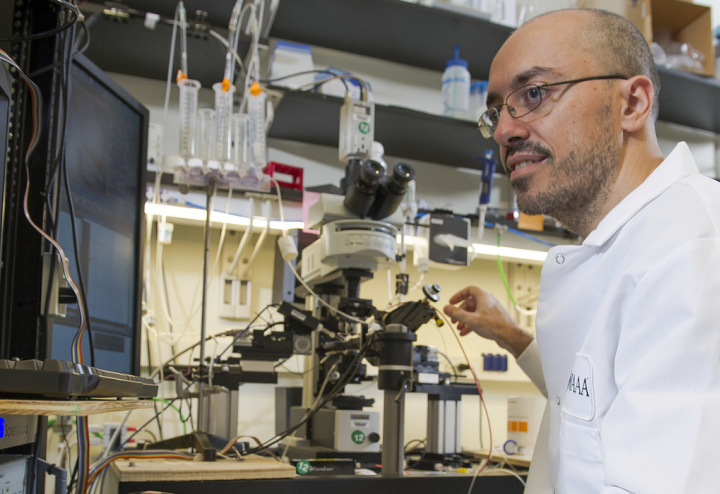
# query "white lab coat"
(628, 337)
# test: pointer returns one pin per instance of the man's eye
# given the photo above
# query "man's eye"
(533, 95)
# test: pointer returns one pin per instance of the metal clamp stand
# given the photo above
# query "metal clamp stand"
(204, 443)
(394, 377)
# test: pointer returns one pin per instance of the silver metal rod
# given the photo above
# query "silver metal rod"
(202, 412)
(393, 453)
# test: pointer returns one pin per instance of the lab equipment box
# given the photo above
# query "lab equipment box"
(687, 23)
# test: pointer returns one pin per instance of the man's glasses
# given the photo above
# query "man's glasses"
(524, 100)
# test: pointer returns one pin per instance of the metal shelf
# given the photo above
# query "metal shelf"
(315, 119)
(423, 36)
(130, 48)
(391, 30)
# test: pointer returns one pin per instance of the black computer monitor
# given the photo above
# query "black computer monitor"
(106, 156)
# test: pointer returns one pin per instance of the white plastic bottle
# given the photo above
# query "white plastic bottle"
(456, 87)
(478, 95)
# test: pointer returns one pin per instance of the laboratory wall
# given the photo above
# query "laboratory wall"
(176, 284)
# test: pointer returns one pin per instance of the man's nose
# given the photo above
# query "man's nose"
(509, 129)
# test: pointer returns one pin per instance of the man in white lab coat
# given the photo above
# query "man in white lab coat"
(628, 326)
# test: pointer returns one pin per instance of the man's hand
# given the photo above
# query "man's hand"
(482, 313)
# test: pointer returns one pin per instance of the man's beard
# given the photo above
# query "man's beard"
(579, 183)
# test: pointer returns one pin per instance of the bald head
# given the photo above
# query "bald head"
(612, 40)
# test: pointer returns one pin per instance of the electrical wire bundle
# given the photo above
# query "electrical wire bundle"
(99, 466)
(321, 400)
(483, 465)
(77, 355)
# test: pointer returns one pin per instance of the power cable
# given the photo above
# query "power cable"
(51, 32)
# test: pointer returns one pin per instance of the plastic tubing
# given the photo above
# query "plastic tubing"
(233, 37)
(183, 38)
(244, 239)
(267, 212)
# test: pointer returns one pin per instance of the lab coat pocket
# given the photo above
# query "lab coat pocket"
(581, 459)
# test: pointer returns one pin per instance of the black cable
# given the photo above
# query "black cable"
(44, 34)
(273, 324)
(157, 418)
(190, 415)
(169, 404)
(339, 385)
(86, 44)
(270, 81)
(81, 277)
(73, 477)
(54, 218)
(67, 88)
(422, 456)
(243, 333)
(282, 364)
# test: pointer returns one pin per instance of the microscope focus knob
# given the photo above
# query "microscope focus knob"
(432, 292)
(373, 437)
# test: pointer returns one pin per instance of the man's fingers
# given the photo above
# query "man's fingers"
(457, 314)
(468, 305)
(461, 295)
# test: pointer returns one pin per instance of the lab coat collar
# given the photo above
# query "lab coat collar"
(678, 165)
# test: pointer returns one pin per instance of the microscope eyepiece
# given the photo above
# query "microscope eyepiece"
(361, 193)
(370, 174)
(391, 191)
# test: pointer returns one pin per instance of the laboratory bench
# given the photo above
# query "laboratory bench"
(358, 484)
(260, 475)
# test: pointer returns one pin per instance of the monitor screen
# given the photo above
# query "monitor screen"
(106, 153)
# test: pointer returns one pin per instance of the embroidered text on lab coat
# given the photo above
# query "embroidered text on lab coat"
(580, 393)
(575, 386)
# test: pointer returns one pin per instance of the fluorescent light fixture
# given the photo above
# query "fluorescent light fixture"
(194, 214)
(509, 252)
(488, 251)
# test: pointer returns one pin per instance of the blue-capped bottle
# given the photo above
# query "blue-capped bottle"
(456, 87)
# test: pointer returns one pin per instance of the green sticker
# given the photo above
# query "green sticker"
(358, 437)
(364, 127)
(302, 467)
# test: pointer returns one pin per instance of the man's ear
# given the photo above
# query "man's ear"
(637, 98)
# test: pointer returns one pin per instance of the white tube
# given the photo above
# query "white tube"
(482, 212)
(232, 37)
(183, 38)
(267, 213)
(244, 239)
(170, 66)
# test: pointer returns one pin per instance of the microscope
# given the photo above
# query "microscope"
(358, 236)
